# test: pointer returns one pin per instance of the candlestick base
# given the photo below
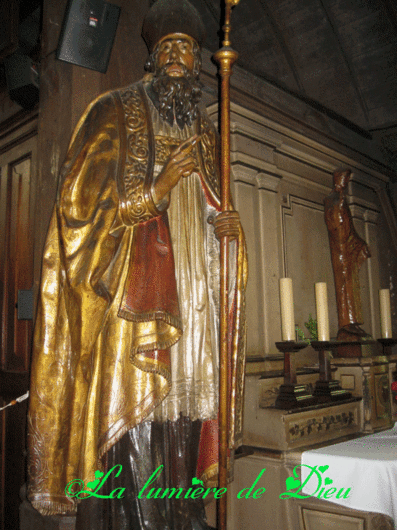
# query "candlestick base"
(326, 391)
(293, 396)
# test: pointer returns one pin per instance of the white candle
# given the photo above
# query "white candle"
(385, 314)
(322, 311)
(287, 309)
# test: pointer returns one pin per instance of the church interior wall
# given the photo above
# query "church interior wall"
(283, 155)
(65, 92)
(282, 173)
(280, 179)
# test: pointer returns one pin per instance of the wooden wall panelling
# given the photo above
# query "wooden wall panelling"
(17, 169)
(388, 264)
(252, 162)
(18, 152)
(66, 90)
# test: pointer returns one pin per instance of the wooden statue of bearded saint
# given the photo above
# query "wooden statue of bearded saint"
(125, 362)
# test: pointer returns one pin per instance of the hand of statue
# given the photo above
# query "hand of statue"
(180, 163)
(227, 224)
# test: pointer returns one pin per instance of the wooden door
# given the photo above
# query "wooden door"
(17, 166)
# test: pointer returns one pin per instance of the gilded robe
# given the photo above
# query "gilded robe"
(108, 313)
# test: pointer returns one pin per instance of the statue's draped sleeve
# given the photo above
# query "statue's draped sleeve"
(85, 391)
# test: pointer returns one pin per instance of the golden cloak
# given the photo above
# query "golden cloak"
(87, 389)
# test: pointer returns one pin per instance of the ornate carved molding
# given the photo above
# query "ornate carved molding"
(371, 216)
(308, 158)
(243, 173)
(357, 211)
(268, 182)
(310, 427)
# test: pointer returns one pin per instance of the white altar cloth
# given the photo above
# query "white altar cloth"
(367, 465)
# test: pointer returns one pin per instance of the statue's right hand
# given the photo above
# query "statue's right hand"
(180, 163)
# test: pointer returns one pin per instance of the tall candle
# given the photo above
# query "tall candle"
(322, 311)
(287, 309)
(385, 314)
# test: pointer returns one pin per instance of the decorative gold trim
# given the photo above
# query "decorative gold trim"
(164, 146)
(155, 366)
(136, 203)
(156, 345)
(53, 508)
(208, 153)
(140, 413)
(210, 473)
(150, 317)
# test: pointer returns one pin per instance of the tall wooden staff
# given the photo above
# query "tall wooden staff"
(225, 57)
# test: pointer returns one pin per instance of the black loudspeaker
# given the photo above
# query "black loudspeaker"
(88, 32)
(22, 80)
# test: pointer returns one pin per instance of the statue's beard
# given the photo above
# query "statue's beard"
(176, 95)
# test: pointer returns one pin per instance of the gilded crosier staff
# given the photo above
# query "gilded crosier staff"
(225, 57)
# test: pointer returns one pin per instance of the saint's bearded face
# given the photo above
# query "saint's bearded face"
(175, 90)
